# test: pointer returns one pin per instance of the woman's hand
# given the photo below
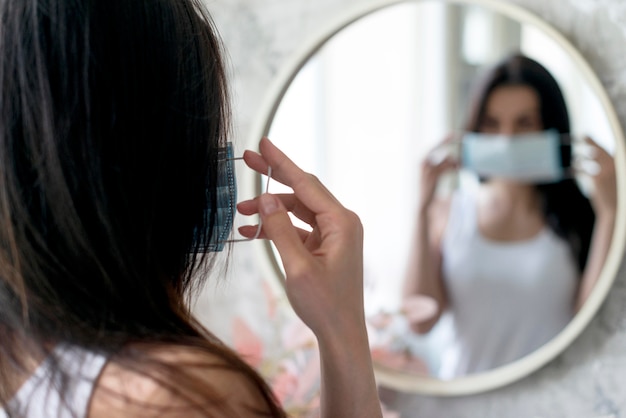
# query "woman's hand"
(604, 197)
(324, 266)
(324, 283)
(433, 166)
(604, 201)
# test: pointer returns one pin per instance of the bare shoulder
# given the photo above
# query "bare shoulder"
(174, 381)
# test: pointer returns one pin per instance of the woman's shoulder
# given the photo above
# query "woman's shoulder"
(170, 380)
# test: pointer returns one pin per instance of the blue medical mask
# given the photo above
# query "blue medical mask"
(226, 200)
(529, 158)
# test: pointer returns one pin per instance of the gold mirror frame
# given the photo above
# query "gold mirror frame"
(511, 372)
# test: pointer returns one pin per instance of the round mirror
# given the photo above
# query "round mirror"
(364, 105)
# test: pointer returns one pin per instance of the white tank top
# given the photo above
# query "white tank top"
(506, 299)
(40, 396)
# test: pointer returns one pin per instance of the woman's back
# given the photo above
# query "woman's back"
(73, 383)
(42, 395)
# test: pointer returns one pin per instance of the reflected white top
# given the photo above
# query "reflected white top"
(40, 396)
(506, 299)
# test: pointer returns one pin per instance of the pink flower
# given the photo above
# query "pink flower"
(308, 380)
(297, 336)
(284, 385)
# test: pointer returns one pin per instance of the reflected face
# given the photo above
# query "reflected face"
(512, 110)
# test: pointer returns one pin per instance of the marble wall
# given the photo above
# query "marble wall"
(587, 379)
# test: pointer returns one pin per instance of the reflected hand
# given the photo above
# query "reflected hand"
(431, 170)
(604, 198)
(419, 308)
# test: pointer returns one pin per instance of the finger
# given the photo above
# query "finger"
(586, 166)
(591, 150)
(597, 151)
(437, 156)
(447, 140)
(448, 164)
(290, 201)
(250, 231)
(590, 141)
(439, 168)
(256, 162)
(442, 150)
(586, 151)
(313, 240)
(282, 167)
(307, 187)
(278, 228)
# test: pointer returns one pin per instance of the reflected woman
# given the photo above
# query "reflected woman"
(512, 260)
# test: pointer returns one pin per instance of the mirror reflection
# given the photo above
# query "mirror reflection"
(512, 258)
(479, 161)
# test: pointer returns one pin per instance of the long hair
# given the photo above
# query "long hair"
(111, 116)
(567, 211)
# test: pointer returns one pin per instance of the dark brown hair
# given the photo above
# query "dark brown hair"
(111, 115)
(567, 211)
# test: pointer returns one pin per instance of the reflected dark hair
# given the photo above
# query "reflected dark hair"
(111, 116)
(567, 211)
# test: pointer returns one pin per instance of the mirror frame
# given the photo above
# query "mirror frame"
(504, 375)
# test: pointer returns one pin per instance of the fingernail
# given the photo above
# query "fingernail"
(268, 204)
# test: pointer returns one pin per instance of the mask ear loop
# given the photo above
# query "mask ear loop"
(260, 226)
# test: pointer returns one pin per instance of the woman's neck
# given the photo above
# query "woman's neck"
(509, 212)
(509, 198)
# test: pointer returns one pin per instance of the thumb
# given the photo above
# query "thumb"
(277, 227)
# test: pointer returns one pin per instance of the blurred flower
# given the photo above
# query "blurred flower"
(247, 343)
(288, 358)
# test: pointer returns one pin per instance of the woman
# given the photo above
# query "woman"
(514, 260)
(113, 121)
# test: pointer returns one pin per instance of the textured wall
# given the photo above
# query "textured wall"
(587, 379)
